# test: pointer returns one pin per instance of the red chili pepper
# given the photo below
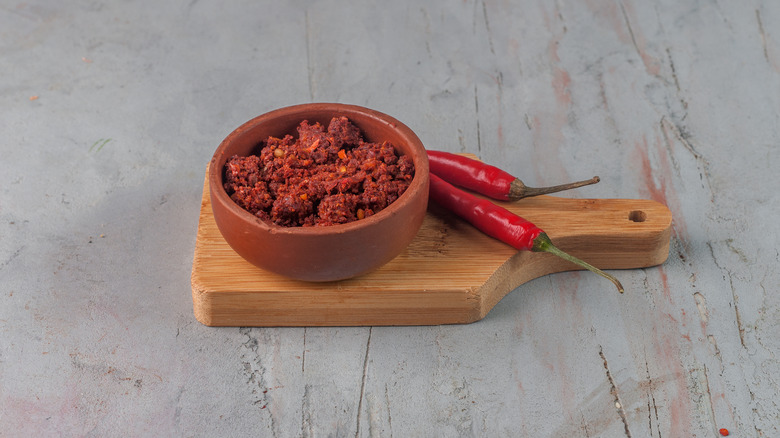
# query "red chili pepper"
(501, 224)
(724, 432)
(489, 180)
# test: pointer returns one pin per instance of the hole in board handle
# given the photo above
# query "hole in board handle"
(637, 216)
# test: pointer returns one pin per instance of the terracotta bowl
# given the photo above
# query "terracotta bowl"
(327, 253)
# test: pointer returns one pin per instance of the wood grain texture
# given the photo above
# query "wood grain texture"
(451, 273)
(674, 101)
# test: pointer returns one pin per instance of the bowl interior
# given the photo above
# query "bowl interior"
(375, 127)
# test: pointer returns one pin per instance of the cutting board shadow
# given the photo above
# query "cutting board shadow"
(450, 274)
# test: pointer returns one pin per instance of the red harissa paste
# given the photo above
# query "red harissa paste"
(324, 177)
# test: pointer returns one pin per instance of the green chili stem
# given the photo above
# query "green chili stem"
(518, 190)
(542, 243)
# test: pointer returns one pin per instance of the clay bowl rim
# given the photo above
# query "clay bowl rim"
(421, 169)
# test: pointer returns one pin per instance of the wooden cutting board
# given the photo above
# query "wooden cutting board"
(450, 274)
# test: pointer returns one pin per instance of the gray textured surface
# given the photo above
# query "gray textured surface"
(100, 186)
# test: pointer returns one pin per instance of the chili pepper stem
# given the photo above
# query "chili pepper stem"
(518, 190)
(542, 243)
